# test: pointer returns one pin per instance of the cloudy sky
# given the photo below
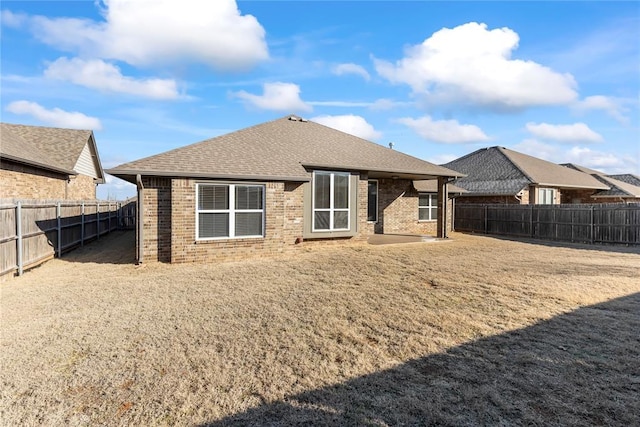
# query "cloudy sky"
(558, 80)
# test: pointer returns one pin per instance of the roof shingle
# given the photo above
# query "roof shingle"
(282, 149)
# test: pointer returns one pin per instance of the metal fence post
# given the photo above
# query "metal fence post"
(486, 219)
(592, 226)
(59, 222)
(82, 225)
(97, 220)
(19, 238)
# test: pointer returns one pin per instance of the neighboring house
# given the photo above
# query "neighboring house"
(619, 191)
(267, 188)
(500, 175)
(48, 163)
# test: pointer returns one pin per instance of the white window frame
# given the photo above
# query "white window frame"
(331, 208)
(433, 197)
(540, 199)
(377, 200)
(231, 211)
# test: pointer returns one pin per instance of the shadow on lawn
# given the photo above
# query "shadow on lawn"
(624, 249)
(579, 368)
(117, 247)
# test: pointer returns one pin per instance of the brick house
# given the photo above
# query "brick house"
(501, 175)
(276, 187)
(48, 163)
(619, 190)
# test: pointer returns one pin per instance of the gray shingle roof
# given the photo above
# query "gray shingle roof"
(50, 148)
(628, 178)
(282, 149)
(617, 188)
(500, 171)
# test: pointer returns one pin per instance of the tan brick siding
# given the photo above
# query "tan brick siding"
(169, 225)
(18, 181)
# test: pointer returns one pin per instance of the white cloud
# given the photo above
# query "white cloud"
(577, 132)
(441, 159)
(350, 68)
(13, 20)
(472, 65)
(55, 117)
(276, 96)
(100, 75)
(349, 123)
(445, 131)
(613, 107)
(165, 31)
(609, 163)
(382, 104)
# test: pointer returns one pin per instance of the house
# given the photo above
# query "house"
(48, 163)
(268, 188)
(619, 191)
(501, 175)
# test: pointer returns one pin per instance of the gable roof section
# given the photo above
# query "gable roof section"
(617, 188)
(54, 149)
(500, 171)
(282, 149)
(489, 172)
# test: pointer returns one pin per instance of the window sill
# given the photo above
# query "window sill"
(223, 239)
(427, 220)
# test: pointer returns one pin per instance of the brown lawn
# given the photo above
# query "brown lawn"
(472, 331)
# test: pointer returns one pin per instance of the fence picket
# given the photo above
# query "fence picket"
(598, 223)
(40, 230)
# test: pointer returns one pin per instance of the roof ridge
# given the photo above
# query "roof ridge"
(502, 150)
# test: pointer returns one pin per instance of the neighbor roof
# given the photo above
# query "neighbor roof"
(617, 188)
(500, 171)
(628, 178)
(283, 149)
(48, 148)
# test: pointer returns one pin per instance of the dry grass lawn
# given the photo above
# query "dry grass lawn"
(472, 331)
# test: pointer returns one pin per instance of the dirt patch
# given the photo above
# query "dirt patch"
(472, 331)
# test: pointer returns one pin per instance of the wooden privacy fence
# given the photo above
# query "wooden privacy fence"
(597, 223)
(33, 231)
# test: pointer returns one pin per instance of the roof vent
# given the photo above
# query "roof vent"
(295, 118)
(391, 144)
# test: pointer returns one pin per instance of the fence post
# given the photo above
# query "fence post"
(486, 219)
(97, 220)
(19, 237)
(59, 223)
(82, 225)
(531, 220)
(592, 226)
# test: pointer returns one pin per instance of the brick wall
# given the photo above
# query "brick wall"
(283, 226)
(156, 231)
(18, 181)
(398, 209)
(169, 225)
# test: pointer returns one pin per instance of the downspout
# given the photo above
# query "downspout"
(139, 224)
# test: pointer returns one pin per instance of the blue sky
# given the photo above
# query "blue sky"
(558, 80)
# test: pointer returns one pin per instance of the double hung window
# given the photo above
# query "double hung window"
(229, 211)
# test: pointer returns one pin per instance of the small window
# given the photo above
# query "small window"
(427, 207)
(546, 196)
(331, 195)
(372, 201)
(229, 211)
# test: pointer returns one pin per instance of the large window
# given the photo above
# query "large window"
(546, 196)
(427, 207)
(229, 211)
(330, 201)
(372, 201)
